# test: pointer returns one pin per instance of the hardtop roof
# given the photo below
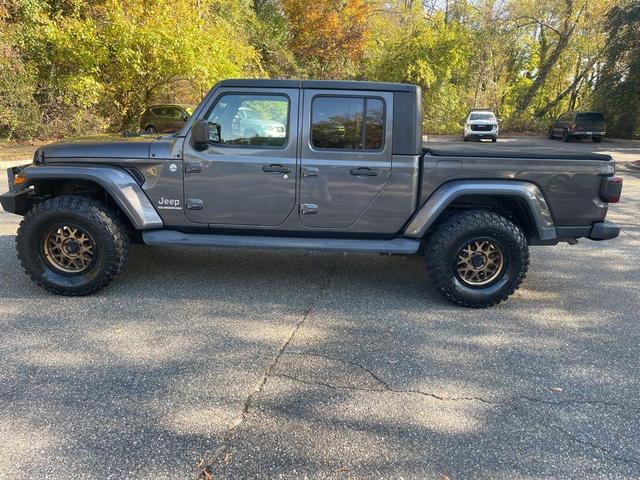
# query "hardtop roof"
(319, 84)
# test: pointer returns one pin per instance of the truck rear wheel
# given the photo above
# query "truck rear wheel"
(72, 245)
(477, 258)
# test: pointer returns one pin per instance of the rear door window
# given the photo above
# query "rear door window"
(347, 123)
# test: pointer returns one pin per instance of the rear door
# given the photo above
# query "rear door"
(249, 177)
(345, 154)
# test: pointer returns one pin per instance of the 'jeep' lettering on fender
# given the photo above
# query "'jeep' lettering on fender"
(169, 204)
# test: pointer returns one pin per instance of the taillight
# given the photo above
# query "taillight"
(611, 189)
(573, 127)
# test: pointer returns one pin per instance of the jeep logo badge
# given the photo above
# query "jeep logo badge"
(169, 204)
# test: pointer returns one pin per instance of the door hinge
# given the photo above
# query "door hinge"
(309, 209)
(194, 204)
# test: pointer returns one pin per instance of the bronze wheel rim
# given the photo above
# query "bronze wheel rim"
(480, 262)
(69, 249)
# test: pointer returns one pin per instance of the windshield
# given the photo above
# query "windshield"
(250, 114)
(482, 116)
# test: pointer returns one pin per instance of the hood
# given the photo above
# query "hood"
(100, 146)
(482, 122)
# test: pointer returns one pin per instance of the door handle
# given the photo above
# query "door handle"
(275, 168)
(309, 209)
(364, 172)
(193, 167)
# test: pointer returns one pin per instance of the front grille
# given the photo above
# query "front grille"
(481, 128)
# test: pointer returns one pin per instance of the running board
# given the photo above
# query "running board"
(403, 246)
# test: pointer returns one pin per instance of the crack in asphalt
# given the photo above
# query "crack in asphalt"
(633, 236)
(595, 446)
(387, 387)
(205, 471)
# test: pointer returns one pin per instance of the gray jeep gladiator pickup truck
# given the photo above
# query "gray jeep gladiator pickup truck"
(340, 168)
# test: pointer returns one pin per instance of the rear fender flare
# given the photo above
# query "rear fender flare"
(118, 183)
(449, 192)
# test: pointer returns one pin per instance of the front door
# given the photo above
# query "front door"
(345, 155)
(249, 176)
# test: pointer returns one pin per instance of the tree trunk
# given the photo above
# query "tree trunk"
(549, 62)
(543, 73)
(571, 88)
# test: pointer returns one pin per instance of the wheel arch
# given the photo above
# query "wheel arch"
(112, 184)
(522, 202)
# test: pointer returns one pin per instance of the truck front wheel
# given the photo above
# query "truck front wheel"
(477, 258)
(72, 245)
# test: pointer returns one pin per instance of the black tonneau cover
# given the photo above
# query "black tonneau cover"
(516, 153)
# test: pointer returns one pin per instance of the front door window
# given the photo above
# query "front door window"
(255, 120)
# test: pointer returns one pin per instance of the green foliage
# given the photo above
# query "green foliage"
(617, 90)
(434, 58)
(19, 115)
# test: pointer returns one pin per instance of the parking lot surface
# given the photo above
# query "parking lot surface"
(258, 364)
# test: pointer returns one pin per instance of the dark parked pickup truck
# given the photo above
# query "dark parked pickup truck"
(338, 166)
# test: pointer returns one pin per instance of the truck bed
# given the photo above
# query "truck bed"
(571, 183)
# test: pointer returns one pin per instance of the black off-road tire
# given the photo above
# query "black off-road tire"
(92, 216)
(494, 139)
(566, 138)
(443, 246)
(550, 134)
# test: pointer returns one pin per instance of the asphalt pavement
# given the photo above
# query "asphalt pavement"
(258, 364)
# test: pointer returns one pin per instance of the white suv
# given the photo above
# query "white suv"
(481, 124)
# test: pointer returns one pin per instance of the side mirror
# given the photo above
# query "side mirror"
(203, 133)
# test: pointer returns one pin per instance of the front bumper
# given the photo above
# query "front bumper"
(17, 202)
(469, 133)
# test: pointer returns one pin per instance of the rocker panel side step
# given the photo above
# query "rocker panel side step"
(404, 246)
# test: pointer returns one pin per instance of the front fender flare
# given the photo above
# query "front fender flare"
(447, 193)
(120, 185)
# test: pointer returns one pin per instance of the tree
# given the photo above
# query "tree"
(430, 53)
(558, 29)
(619, 82)
(327, 37)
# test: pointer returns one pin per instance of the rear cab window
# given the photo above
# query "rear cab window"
(590, 117)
